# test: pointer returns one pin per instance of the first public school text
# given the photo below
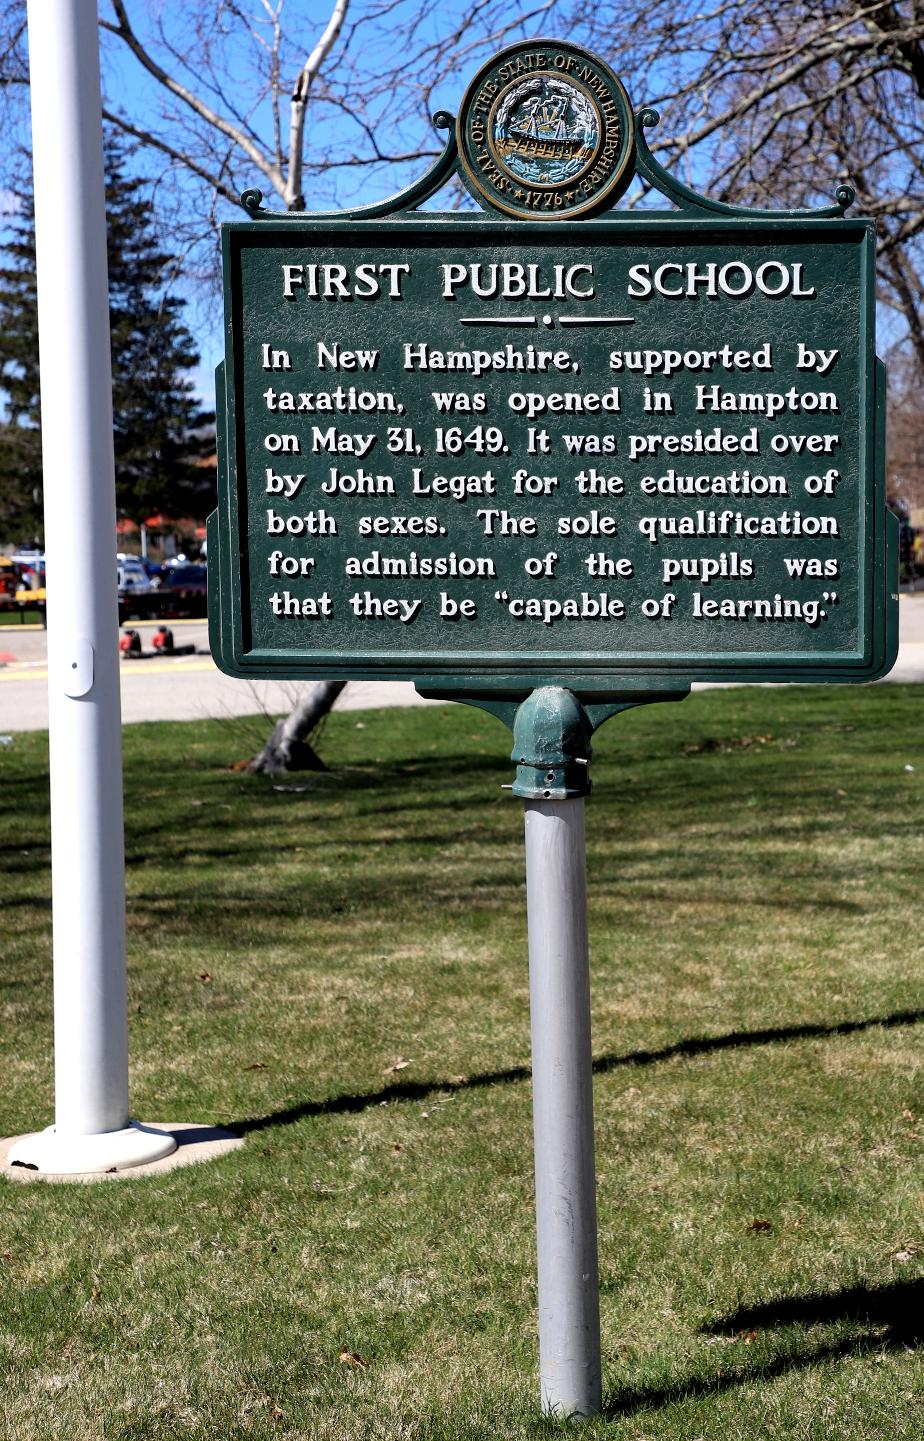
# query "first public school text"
(511, 280)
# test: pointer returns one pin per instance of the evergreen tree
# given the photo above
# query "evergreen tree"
(163, 438)
(20, 438)
(162, 435)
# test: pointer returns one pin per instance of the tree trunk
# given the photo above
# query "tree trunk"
(288, 747)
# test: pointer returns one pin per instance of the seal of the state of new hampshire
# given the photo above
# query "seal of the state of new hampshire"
(546, 130)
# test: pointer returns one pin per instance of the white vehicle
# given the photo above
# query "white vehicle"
(131, 576)
(31, 559)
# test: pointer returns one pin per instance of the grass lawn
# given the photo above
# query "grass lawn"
(336, 966)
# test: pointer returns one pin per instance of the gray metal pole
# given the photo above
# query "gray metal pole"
(563, 1126)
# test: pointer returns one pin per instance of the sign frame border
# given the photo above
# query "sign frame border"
(594, 673)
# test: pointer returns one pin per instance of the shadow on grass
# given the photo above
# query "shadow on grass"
(692, 1046)
(896, 1311)
(702, 898)
(891, 1317)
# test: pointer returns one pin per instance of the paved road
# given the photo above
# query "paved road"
(190, 687)
(167, 688)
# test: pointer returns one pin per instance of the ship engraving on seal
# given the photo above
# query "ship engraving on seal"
(546, 129)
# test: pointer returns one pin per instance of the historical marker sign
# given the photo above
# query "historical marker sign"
(482, 452)
(558, 470)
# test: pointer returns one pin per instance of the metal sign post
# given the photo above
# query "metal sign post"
(563, 1109)
(92, 1131)
(552, 749)
(553, 471)
(551, 745)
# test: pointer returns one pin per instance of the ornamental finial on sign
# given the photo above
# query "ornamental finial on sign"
(690, 200)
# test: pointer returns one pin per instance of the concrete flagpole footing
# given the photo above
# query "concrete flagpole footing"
(137, 1150)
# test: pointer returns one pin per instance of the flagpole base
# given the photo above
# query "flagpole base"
(60, 1155)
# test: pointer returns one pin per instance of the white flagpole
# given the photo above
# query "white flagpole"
(92, 1131)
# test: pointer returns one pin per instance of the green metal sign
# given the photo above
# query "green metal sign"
(491, 453)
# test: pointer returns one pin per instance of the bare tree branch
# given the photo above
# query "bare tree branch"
(155, 141)
(309, 72)
(205, 112)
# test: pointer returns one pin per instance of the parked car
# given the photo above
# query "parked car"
(9, 582)
(131, 577)
(183, 589)
(137, 596)
(31, 593)
(153, 571)
(29, 560)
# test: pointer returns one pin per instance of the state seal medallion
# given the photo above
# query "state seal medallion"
(546, 130)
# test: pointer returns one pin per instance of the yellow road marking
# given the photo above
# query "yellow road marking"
(37, 629)
(163, 667)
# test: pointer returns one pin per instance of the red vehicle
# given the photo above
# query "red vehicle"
(9, 583)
